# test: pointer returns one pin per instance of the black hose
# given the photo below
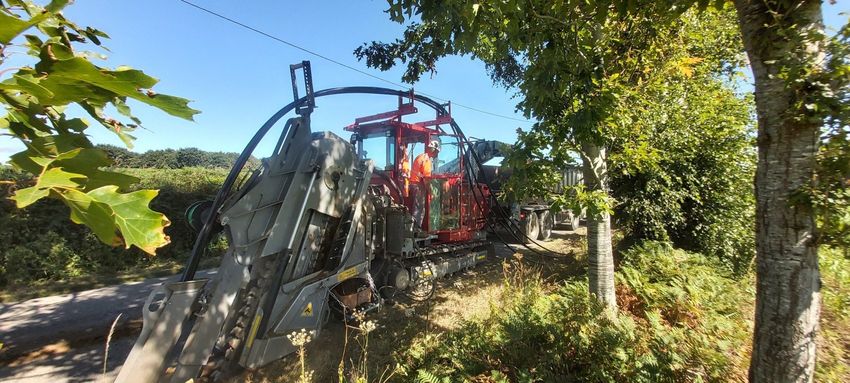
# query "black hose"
(506, 221)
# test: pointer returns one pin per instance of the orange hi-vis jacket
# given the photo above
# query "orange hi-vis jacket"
(421, 167)
(405, 172)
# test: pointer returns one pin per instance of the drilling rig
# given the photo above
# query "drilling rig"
(325, 225)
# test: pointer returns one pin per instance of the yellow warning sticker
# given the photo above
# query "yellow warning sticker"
(348, 273)
(308, 311)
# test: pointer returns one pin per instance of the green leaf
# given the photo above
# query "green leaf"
(29, 84)
(96, 215)
(52, 179)
(28, 196)
(11, 27)
(67, 165)
(57, 5)
(122, 107)
(87, 161)
(96, 111)
(175, 106)
(118, 218)
(74, 124)
(139, 225)
(79, 73)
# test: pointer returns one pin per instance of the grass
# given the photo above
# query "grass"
(479, 302)
(833, 363)
(458, 299)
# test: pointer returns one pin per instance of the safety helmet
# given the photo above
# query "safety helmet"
(434, 144)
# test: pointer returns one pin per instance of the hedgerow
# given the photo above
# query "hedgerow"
(41, 244)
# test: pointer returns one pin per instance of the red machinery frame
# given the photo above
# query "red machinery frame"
(472, 208)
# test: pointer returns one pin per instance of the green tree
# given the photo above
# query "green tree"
(688, 178)
(121, 157)
(190, 157)
(68, 167)
(801, 82)
(683, 169)
(831, 193)
(575, 64)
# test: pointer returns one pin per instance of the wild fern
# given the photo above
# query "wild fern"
(683, 322)
(423, 376)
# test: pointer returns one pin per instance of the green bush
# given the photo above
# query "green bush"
(671, 329)
(40, 243)
(689, 177)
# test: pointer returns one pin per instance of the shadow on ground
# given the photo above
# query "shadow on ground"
(460, 297)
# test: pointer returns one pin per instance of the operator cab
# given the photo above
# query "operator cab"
(451, 213)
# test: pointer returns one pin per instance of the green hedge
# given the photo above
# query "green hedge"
(40, 243)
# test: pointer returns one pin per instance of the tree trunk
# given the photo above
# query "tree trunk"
(788, 280)
(599, 253)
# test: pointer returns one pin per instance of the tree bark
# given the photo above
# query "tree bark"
(787, 279)
(599, 253)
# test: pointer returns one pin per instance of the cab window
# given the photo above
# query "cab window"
(447, 161)
(379, 148)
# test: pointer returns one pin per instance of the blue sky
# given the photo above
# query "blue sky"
(238, 78)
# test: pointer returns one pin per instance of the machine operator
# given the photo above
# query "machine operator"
(421, 169)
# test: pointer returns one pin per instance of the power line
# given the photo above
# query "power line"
(321, 56)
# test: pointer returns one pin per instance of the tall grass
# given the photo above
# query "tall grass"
(681, 319)
(680, 322)
(833, 364)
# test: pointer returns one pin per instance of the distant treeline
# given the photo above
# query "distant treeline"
(171, 158)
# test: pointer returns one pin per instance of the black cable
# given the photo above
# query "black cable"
(506, 220)
(490, 225)
(321, 56)
(458, 132)
(500, 210)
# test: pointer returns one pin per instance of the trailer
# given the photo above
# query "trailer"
(533, 216)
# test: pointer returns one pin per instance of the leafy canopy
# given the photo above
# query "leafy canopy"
(830, 102)
(35, 98)
(576, 65)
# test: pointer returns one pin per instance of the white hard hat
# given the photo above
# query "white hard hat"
(434, 144)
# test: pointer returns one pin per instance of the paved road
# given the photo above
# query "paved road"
(45, 328)
(61, 338)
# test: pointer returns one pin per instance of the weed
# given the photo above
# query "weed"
(300, 339)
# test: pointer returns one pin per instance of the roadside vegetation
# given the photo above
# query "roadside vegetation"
(43, 253)
(725, 201)
(646, 94)
(680, 321)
